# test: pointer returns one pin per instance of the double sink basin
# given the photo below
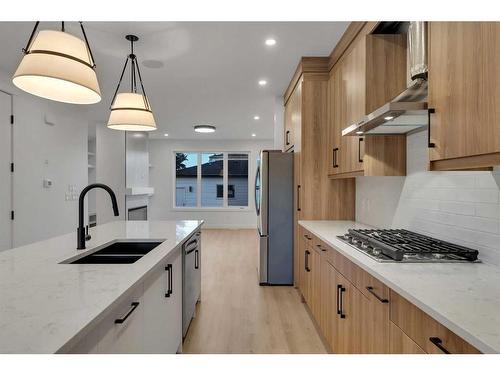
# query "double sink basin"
(118, 252)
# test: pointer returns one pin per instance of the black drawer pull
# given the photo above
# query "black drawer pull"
(133, 307)
(359, 149)
(287, 137)
(307, 237)
(307, 252)
(196, 260)
(320, 247)
(438, 342)
(340, 303)
(169, 292)
(429, 143)
(370, 289)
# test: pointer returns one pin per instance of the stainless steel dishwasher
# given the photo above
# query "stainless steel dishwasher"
(191, 283)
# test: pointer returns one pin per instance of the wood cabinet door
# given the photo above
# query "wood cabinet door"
(464, 88)
(315, 284)
(352, 106)
(293, 117)
(304, 260)
(335, 116)
(350, 337)
(400, 343)
(328, 319)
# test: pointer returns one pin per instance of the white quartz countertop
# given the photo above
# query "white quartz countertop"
(44, 304)
(464, 297)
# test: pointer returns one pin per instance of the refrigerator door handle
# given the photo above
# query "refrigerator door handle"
(256, 191)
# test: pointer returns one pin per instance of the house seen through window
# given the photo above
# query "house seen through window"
(211, 179)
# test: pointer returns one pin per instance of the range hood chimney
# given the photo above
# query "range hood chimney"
(408, 110)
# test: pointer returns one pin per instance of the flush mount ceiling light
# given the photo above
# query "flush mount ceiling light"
(270, 42)
(58, 66)
(262, 82)
(204, 129)
(130, 111)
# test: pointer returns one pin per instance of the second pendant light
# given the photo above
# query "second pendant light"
(131, 111)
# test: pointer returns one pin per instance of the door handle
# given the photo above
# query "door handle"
(298, 197)
(439, 343)
(287, 137)
(429, 143)
(335, 150)
(169, 292)
(306, 262)
(196, 260)
(359, 149)
(133, 307)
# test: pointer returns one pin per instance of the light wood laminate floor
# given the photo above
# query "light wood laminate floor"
(235, 314)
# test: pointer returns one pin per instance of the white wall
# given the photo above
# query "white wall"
(162, 179)
(57, 152)
(461, 207)
(110, 170)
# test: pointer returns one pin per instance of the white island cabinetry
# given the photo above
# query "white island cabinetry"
(148, 320)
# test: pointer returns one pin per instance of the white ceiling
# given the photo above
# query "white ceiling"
(210, 69)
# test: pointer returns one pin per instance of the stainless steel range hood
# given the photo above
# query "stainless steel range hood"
(407, 111)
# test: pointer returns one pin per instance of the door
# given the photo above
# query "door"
(5, 171)
(464, 89)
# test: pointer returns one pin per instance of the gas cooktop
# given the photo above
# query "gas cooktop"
(400, 245)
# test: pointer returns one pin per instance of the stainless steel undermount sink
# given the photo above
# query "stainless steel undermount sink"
(117, 252)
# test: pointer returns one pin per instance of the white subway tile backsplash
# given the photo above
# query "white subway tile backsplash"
(460, 207)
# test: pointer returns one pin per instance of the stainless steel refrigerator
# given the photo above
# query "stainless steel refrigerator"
(274, 207)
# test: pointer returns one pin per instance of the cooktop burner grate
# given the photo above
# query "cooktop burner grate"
(403, 245)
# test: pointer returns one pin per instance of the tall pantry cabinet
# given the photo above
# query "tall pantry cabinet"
(306, 120)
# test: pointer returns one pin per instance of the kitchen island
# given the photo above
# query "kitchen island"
(463, 297)
(47, 306)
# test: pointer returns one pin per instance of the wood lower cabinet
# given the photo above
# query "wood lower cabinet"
(464, 91)
(400, 343)
(430, 335)
(357, 313)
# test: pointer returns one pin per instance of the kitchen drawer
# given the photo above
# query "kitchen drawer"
(366, 283)
(427, 333)
(307, 237)
(400, 343)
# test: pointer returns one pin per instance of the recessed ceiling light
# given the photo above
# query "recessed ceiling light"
(254, 135)
(262, 82)
(256, 117)
(204, 128)
(166, 134)
(388, 118)
(270, 42)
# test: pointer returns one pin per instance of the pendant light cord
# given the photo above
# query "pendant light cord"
(28, 45)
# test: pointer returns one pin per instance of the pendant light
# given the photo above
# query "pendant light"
(58, 66)
(130, 111)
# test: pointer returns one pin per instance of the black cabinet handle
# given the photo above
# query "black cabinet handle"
(335, 150)
(340, 302)
(370, 289)
(429, 143)
(320, 247)
(306, 261)
(133, 307)
(298, 197)
(437, 341)
(359, 149)
(335, 161)
(196, 260)
(307, 237)
(287, 137)
(169, 292)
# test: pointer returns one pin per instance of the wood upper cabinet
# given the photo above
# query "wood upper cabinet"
(464, 91)
(370, 73)
(292, 119)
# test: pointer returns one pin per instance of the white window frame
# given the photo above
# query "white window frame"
(225, 179)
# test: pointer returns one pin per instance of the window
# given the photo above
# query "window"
(211, 179)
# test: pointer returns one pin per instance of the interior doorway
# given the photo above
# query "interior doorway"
(6, 207)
